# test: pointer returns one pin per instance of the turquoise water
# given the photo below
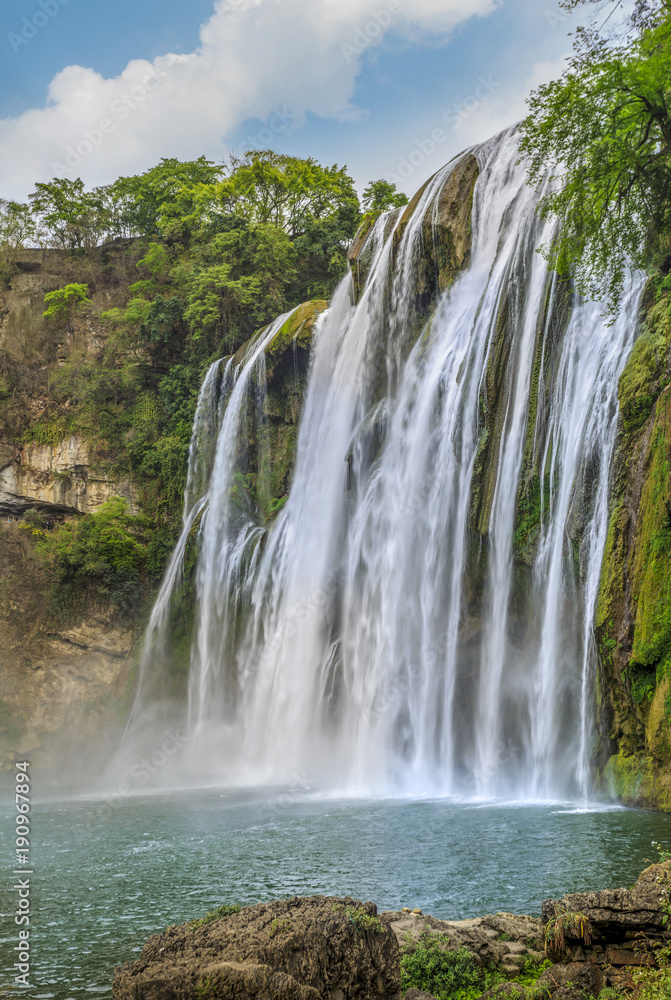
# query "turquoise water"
(106, 878)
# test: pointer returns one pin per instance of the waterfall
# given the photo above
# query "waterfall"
(404, 626)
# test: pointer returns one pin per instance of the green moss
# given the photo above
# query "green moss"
(642, 681)
(647, 371)
(611, 587)
(629, 777)
(493, 407)
(222, 911)
(651, 580)
(364, 921)
(298, 328)
(530, 505)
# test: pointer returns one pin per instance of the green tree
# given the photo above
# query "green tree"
(237, 282)
(381, 196)
(286, 192)
(68, 217)
(103, 553)
(61, 304)
(604, 132)
(168, 200)
(17, 225)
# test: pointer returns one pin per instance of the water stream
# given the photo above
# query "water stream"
(371, 639)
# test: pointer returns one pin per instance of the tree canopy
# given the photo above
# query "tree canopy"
(603, 132)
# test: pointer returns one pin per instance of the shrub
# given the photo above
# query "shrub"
(364, 921)
(447, 975)
(62, 303)
(104, 552)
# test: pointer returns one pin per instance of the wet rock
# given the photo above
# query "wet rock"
(295, 949)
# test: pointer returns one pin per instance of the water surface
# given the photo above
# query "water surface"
(106, 878)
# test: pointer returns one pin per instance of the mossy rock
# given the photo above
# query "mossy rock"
(298, 329)
(651, 580)
(646, 373)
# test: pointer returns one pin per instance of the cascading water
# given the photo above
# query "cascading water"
(375, 637)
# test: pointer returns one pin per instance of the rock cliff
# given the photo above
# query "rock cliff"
(633, 624)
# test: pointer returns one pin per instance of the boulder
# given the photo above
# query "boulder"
(315, 948)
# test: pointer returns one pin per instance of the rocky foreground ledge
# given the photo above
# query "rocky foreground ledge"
(326, 948)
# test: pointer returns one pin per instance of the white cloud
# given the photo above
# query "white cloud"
(507, 106)
(255, 57)
(485, 107)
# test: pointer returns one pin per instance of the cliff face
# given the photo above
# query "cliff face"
(61, 680)
(61, 685)
(57, 471)
(67, 667)
(633, 623)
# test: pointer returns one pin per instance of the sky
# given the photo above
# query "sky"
(389, 88)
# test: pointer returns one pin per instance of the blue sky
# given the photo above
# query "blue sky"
(97, 89)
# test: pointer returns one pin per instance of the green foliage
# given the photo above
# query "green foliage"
(166, 200)
(103, 553)
(605, 128)
(51, 429)
(94, 387)
(445, 974)
(664, 854)
(35, 523)
(224, 249)
(68, 216)
(381, 196)
(155, 265)
(222, 911)
(364, 921)
(646, 373)
(286, 192)
(237, 282)
(653, 984)
(531, 970)
(642, 681)
(62, 303)
(17, 225)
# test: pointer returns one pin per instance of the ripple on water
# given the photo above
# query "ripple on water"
(166, 859)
